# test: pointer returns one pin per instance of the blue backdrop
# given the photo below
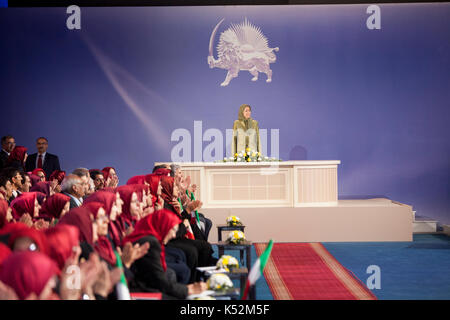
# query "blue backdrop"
(112, 93)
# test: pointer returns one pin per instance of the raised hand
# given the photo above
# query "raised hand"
(147, 211)
(26, 219)
(89, 271)
(7, 293)
(196, 288)
(194, 205)
(159, 205)
(132, 253)
(41, 224)
(176, 206)
(106, 280)
(70, 291)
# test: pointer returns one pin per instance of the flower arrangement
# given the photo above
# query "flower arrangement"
(236, 237)
(219, 282)
(205, 297)
(227, 262)
(249, 155)
(233, 221)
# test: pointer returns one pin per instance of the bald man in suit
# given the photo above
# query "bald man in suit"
(42, 159)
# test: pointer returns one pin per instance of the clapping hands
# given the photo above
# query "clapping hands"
(131, 253)
(194, 205)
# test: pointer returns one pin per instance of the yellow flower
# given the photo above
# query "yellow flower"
(248, 149)
(248, 160)
(245, 154)
(235, 154)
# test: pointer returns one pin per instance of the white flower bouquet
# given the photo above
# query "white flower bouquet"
(233, 221)
(249, 155)
(227, 262)
(219, 282)
(236, 237)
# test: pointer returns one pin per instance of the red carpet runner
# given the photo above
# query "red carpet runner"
(307, 271)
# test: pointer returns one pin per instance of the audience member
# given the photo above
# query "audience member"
(42, 159)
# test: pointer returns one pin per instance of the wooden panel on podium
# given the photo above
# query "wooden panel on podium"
(264, 184)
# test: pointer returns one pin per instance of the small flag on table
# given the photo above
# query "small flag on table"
(123, 293)
(257, 270)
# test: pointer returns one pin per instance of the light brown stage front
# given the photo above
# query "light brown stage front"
(294, 201)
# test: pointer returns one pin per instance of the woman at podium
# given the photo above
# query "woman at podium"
(245, 132)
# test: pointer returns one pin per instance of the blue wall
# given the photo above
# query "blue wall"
(111, 93)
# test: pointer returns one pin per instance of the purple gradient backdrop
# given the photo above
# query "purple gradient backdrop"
(378, 100)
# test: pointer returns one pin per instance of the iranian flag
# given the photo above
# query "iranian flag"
(123, 293)
(257, 269)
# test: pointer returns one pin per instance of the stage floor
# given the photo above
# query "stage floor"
(351, 220)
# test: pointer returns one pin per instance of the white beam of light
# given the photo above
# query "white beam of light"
(117, 75)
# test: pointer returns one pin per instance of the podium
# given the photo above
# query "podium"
(294, 201)
(264, 184)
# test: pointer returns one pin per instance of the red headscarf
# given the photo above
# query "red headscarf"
(58, 175)
(5, 252)
(61, 240)
(105, 171)
(13, 227)
(106, 198)
(27, 272)
(167, 188)
(37, 236)
(126, 193)
(105, 250)
(139, 189)
(42, 186)
(53, 206)
(103, 245)
(109, 189)
(153, 181)
(23, 204)
(34, 179)
(93, 207)
(137, 180)
(157, 224)
(81, 218)
(162, 172)
(40, 197)
(3, 212)
(18, 154)
(35, 171)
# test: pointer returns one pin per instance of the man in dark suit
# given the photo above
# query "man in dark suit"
(8, 144)
(47, 161)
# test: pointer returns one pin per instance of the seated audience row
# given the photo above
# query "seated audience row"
(149, 231)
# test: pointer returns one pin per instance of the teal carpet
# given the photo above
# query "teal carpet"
(417, 270)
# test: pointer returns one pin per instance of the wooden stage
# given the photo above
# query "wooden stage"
(294, 201)
(348, 221)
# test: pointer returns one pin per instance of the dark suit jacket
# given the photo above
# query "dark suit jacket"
(51, 163)
(73, 204)
(149, 272)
